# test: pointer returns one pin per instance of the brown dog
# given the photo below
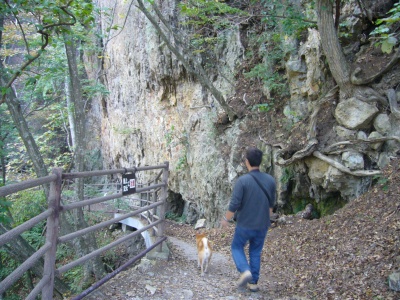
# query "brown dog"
(204, 252)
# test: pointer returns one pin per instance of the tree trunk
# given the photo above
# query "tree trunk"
(22, 126)
(70, 110)
(333, 51)
(20, 250)
(3, 167)
(89, 244)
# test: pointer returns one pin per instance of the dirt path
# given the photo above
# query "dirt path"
(178, 278)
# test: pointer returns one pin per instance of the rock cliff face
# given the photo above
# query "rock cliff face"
(156, 111)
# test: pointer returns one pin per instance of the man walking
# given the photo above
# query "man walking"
(253, 199)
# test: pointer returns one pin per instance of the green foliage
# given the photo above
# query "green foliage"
(263, 107)
(281, 20)
(288, 174)
(41, 90)
(322, 208)
(64, 252)
(182, 161)
(385, 32)
(7, 266)
(74, 277)
(208, 19)
(7, 138)
(270, 70)
(181, 142)
(175, 217)
(27, 204)
(287, 18)
(126, 130)
(92, 88)
(382, 181)
(4, 208)
(202, 13)
(35, 236)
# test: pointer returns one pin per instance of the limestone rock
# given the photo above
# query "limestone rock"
(353, 160)
(382, 124)
(326, 179)
(317, 170)
(295, 67)
(375, 135)
(200, 223)
(355, 114)
(362, 135)
(307, 212)
(384, 159)
(345, 133)
(151, 289)
(393, 146)
(394, 281)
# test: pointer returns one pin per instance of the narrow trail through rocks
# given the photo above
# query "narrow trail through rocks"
(178, 278)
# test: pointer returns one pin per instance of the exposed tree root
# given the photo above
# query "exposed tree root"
(344, 169)
(332, 147)
(299, 155)
(310, 148)
(359, 81)
(311, 136)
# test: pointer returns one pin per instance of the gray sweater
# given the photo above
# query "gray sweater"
(250, 202)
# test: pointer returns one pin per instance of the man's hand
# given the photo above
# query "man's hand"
(224, 223)
(226, 218)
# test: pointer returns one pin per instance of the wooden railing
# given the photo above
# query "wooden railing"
(157, 188)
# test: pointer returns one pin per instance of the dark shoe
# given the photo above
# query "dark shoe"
(253, 287)
(244, 279)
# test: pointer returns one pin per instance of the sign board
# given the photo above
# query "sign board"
(128, 184)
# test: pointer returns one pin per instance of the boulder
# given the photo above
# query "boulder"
(353, 160)
(382, 124)
(384, 160)
(200, 224)
(345, 133)
(394, 281)
(375, 135)
(307, 213)
(355, 114)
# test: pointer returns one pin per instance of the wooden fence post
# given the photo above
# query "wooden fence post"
(52, 233)
(164, 194)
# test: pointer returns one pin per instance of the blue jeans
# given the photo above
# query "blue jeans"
(256, 240)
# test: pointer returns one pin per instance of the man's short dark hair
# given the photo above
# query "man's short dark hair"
(254, 156)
